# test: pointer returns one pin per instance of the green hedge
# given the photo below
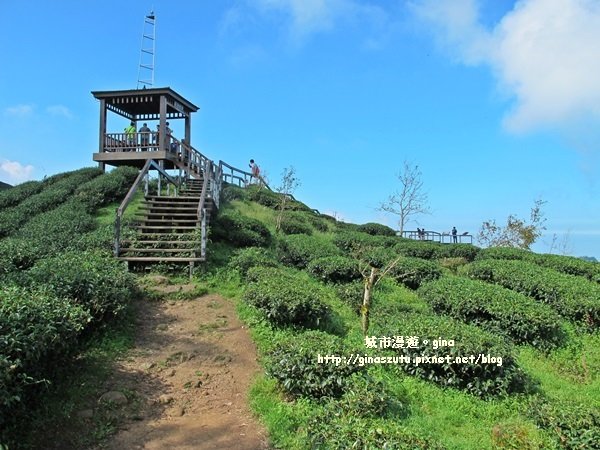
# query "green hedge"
(572, 297)
(94, 280)
(247, 258)
(419, 249)
(16, 194)
(495, 309)
(573, 426)
(295, 223)
(295, 365)
(376, 229)
(467, 251)
(358, 242)
(36, 329)
(299, 249)
(107, 188)
(335, 269)
(50, 197)
(480, 379)
(239, 230)
(412, 272)
(286, 297)
(560, 263)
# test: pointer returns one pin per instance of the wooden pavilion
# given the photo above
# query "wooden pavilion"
(134, 148)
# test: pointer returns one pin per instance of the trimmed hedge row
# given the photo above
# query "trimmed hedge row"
(299, 249)
(435, 250)
(412, 272)
(92, 279)
(295, 365)
(50, 197)
(572, 297)
(294, 222)
(495, 309)
(36, 328)
(247, 258)
(355, 241)
(376, 229)
(335, 269)
(18, 193)
(477, 377)
(560, 263)
(239, 230)
(286, 297)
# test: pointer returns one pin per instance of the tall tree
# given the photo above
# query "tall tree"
(517, 232)
(410, 199)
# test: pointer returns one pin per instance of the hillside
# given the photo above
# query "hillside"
(4, 185)
(466, 348)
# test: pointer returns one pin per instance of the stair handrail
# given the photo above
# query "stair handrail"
(201, 211)
(244, 178)
(129, 196)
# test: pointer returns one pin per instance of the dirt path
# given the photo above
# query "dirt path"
(187, 379)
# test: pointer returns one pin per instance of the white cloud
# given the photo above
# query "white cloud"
(308, 17)
(19, 111)
(544, 54)
(60, 111)
(14, 172)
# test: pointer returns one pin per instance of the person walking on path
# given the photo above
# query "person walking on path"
(255, 170)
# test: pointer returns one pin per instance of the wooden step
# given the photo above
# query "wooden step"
(159, 250)
(164, 214)
(151, 242)
(159, 259)
(161, 227)
(172, 220)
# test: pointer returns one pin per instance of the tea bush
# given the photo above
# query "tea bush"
(50, 197)
(241, 231)
(505, 253)
(476, 377)
(295, 365)
(286, 297)
(318, 222)
(376, 229)
(231, 192)
(36, 330)
(570, 266)
(573, 426)
(494, 308)
(466, 251)
(351, 294)
(357, 242)
(299, 249)
(18, 193)
(263, 196)
(92, 279)
(295, 224)
(335, 269)
(106, 188)
(419, 249)
(247, 258)
(17, 254)
(572, 297)
(412, 272)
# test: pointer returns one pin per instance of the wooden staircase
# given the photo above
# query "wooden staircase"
(168, 228)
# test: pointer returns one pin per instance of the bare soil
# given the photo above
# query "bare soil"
(187, 379)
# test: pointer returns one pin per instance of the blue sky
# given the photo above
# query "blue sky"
(498, 102)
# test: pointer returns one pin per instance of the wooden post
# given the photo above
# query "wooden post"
(102, 131)
(203, 235)
(364, 309)
(162, 130)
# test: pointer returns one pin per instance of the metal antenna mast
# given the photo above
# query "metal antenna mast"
(146, 68)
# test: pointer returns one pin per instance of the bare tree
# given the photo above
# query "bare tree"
(410, 200)
(517, 232)
(289, 183)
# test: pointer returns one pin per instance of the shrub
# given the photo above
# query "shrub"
(241, 231)
(570, 266)
(334, 430)
(504, 253)
(572, 297)
(232, 192)
(494, 308)
(335, 269)
(412, 272)
(295, 365)
(50, 197)
(299, 249)
(573, 426)
(483, 379)
(36, 329)
(263, 196)
(376, 229)
(106, 188)
(17, 254)
(286, 298)
(318, 222)
(354, 241)
(18, 193)
(466, 251)
(250, 257)
(295, 224)
(351, 294)
(94, 280)
(453, 264)
(417, 249)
